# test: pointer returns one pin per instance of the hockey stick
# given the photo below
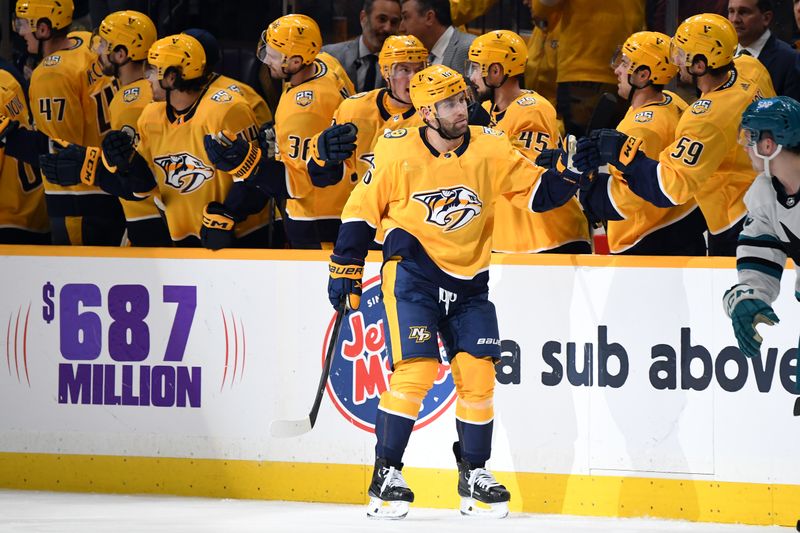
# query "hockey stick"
(293, 428)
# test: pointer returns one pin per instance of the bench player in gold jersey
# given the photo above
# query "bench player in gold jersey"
(69, 97)
(345, 150)
(635, 226)
(497, 65)
(433, 191)
(201, 202)
(23, 216)
(121, 42)
(704, 163)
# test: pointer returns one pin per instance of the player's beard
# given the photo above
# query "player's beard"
(449, 130)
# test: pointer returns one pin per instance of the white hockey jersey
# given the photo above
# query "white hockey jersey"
(771, 234)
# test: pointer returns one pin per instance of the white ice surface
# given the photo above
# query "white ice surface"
(24, 511)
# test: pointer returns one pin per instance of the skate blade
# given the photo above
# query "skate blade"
(386, 510)
(472, 507)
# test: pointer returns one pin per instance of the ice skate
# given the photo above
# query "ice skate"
(389, 494)
(481, 494)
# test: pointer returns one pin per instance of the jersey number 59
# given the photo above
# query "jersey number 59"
(687, 151)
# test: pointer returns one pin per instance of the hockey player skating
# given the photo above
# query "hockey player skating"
(433, 191)
(770, 132)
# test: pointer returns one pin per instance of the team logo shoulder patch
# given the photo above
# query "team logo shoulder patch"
(130, 95)
(235, 89)
(51, 61)
(184, 171)
(700, 107)
(221, 96)
(395, 134)
(304, 98)
(643, 116)
(526, 100)
(451, 208)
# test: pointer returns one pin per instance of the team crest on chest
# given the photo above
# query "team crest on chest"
(184, 171)
(451, 208)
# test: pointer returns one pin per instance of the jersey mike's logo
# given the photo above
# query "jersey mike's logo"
(361, 368)
(451, 208)
(184, 171)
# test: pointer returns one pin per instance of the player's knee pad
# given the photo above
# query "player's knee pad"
(410, 382)
(474, 378)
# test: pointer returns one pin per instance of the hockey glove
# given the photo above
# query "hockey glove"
(561, 160)
(266, 138)
(118, 150)
(7, 127)
(70, 165)
(217, 229)
(587, 155)
(746, 312)
(336, 143)
(232, 154)
(345, 281)
(478, 116)
(616, 148)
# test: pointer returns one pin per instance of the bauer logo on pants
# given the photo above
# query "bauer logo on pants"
(361, 368)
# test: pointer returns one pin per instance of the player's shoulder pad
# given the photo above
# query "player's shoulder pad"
(760, 194)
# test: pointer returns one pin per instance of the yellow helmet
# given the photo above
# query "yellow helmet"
(292, 35)
(180, 51)
(131, 29)
(401, 49)
(434, 84)
(58, 12)
(648, 49)
(709, 35)
(499, 46)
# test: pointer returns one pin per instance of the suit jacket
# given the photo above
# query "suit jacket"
(347, 54)
(456, 53)
(783, 64)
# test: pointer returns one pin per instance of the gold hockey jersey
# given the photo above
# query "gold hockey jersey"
(70, 98)
(125, 109)
(655, 124)
(530, 123)
(173, 147)
(305, 110)
(705, 162)
(21, 193)
(444, 200)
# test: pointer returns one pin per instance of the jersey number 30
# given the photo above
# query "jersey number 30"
(687, 151)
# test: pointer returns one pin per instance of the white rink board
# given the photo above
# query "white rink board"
(543, 424)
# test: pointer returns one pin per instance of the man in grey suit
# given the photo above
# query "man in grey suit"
(359, 57)
(430, 22)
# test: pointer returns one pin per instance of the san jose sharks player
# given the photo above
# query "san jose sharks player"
(770, 132)
(433, 191)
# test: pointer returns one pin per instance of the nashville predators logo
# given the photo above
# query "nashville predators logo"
(451, 208)
(130, 95)
(419, 334)
(184, 171)
(700, 107)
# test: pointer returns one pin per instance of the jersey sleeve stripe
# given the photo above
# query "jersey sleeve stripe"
(760, 265)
